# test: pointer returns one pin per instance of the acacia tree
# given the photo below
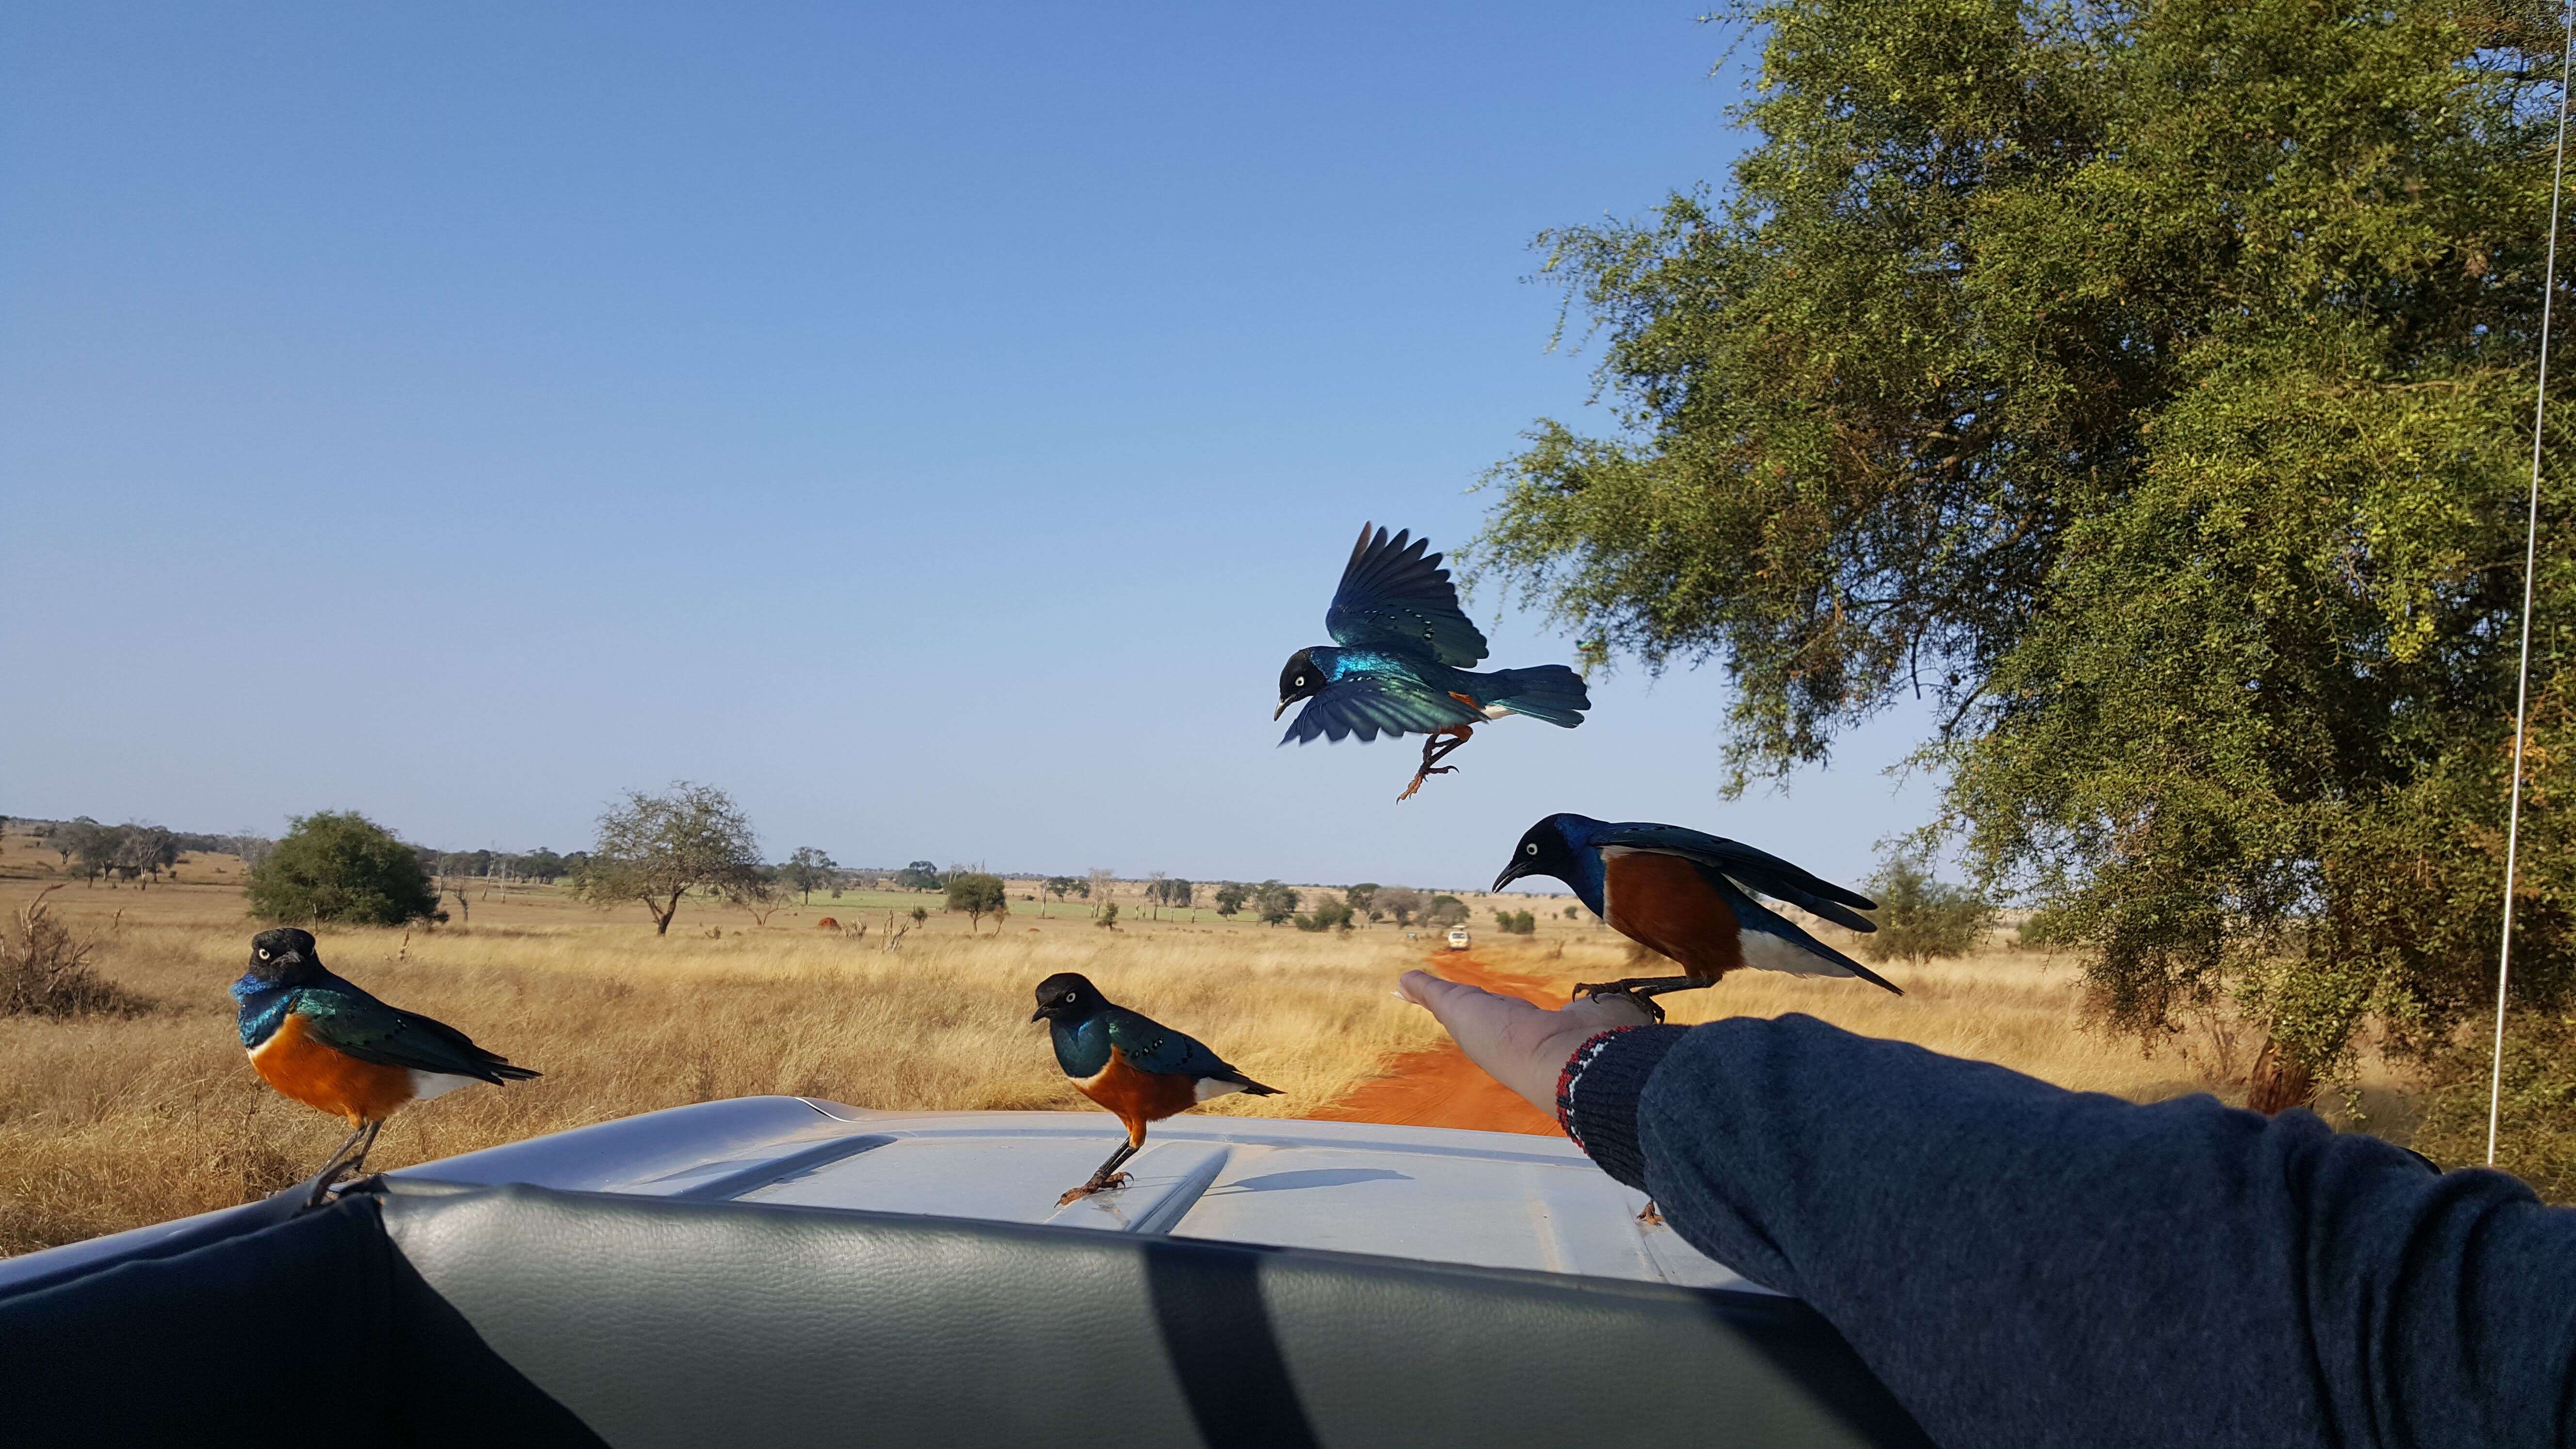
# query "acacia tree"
(978, 894)
(657, 848)
(805, 870)
(2148, 388)
(1401, 902)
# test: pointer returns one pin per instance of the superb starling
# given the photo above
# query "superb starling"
(1404, 661)
(1129, 1063)
(328, 1044)
(1689, 896)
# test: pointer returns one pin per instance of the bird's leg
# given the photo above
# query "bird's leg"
(360, 1161)
(1107, 1177)
(1434, 750)
(338, 1162)
(1643, 989)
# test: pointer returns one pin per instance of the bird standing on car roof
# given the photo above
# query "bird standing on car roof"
(1129, 1063)
(326, 1043)
(1689, 896)
(1405, 661)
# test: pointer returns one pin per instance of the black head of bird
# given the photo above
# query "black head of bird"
(278, 954)
(1300, 678)
(1545, 850)
(1066, 996)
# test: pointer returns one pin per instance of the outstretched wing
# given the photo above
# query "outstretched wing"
(1395, 596)
(1370, 705)
(1758, 870)
(1151, 1046)
(365, 1028)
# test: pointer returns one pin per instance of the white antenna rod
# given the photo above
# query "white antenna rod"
(2530, 553)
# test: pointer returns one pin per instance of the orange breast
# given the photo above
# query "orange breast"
(1660, 902)
(1139, 1097)
(320, 1076)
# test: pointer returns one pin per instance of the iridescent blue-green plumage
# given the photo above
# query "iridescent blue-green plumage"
(1084, 1025)
(290, 979)
(1405, 657)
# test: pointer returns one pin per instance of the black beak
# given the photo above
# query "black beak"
(1038, 1015)
(1282, 709)
(1511, 872)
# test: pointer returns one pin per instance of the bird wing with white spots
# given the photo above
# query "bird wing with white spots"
(1398, 597)
(1370, 705)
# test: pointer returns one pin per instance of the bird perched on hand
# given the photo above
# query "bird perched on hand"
(326, 1043)
(1404, 661)
(1129, 1063)
(1690, 896)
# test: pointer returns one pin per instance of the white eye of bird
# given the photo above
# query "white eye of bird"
(263, 955)
(1532, 847)
(1301, 681)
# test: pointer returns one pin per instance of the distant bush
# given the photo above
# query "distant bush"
(342, 868)
(2536, 1122)
(978, 894)
(1401, 902)
(1922, 919)
(45, 971)
(1515, 923)
(1328, 914)
(1445, 911)
(1108, 916)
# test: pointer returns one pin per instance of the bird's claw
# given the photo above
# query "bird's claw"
(1651, 1216)
(1630, 992)
(1421, 775)
(1097, 1184)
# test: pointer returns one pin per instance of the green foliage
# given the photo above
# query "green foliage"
(978, 894)
(1059, 886)
(1363, 898)
(1515, 923)
(655, 849)
(340, 868)
(806, 870)
(1445, 910)
(1401, 902)
(2536, 1128)
(1107, 917)
(1922, 919)
(2150, 389)
(1230, 898)
(1327, 914)
(921, 875)
(1273, 902)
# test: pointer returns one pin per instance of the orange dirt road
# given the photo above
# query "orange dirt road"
(1438, 1086)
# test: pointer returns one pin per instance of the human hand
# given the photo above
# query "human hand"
(1521, 1045)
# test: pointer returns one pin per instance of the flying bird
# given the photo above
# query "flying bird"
(326, 1043)
(1690, 897)
(1404, 660)
(1129, 1063)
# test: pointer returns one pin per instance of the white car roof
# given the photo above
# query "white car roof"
(1494, 1199)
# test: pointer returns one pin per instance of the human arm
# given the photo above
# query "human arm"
(2026, 1265)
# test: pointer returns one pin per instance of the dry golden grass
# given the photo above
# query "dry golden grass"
(110, 1123)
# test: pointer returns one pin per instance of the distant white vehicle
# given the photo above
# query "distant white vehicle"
(1458, 939)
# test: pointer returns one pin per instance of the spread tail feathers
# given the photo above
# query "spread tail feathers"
(1550, 692)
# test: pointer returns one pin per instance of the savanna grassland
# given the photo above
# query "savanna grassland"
(111, 1121)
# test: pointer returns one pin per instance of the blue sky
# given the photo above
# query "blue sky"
(934, 425)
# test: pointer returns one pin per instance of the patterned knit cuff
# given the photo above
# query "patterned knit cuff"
(1596, 1095)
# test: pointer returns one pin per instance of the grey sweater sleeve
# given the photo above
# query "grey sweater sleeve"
(2024, 1265)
